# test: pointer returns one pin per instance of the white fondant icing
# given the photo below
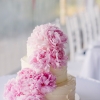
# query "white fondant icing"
(61, 74)
(30, 50)
(64, 90)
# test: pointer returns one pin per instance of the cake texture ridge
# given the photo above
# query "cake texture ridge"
(43, 74)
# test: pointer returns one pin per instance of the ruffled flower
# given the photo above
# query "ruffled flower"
(12, 90)
(44, 58)
(46, 35)
(56, 37)
(29, 85)
(40, 59)
(58, 58)
(35, 83)
(38, 38)
(25, 79)
(45, 82)
(26, 73)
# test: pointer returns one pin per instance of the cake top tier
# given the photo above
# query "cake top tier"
(47, 43)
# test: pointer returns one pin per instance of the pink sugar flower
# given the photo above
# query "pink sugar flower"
(25, 79)
(40, 82)
(45, 82)
(29, 85)
(40, 59)
(46, 35)
(58, 58)
(38, 38)
(56, 37)
(26, 73)
(12, 90)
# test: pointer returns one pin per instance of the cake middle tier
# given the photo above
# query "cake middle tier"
(61, 73)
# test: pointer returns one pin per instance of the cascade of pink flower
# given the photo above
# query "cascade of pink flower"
(49, 42)
(29, 85)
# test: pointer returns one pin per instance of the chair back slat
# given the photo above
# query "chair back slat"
(74, 36)
(89, 27)
(83, 30)
(97, 16)
(71, 39)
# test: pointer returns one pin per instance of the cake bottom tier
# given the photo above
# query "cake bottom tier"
(64, 90)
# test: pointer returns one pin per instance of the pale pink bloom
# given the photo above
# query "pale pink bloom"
(58, 58)
(25, 79)
(35, 83)
(26, 73)
(44, 58)
(45, 82)
(46, 35)
(11, 90)
(38, 38)
(40, 59)
(56, 37)
(29, 85)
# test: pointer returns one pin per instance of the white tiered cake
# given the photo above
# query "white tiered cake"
(46, 57)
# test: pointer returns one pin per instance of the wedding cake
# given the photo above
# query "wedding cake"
(44, 69)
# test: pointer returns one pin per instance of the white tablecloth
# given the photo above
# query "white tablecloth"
(86, 89)
(91, 66)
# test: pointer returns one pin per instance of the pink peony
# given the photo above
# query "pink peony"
(44, 58)
(25, 79)
(38, 38)
(12, 90)
(29, 85)
(40, 59)
(56, 37)
(35, 83)
(58, 57)
(45, 82)
(26, 73)
(46, 35)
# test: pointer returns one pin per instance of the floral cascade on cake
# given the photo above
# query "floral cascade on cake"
(43, 75)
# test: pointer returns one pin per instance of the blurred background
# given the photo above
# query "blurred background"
(19, 17)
